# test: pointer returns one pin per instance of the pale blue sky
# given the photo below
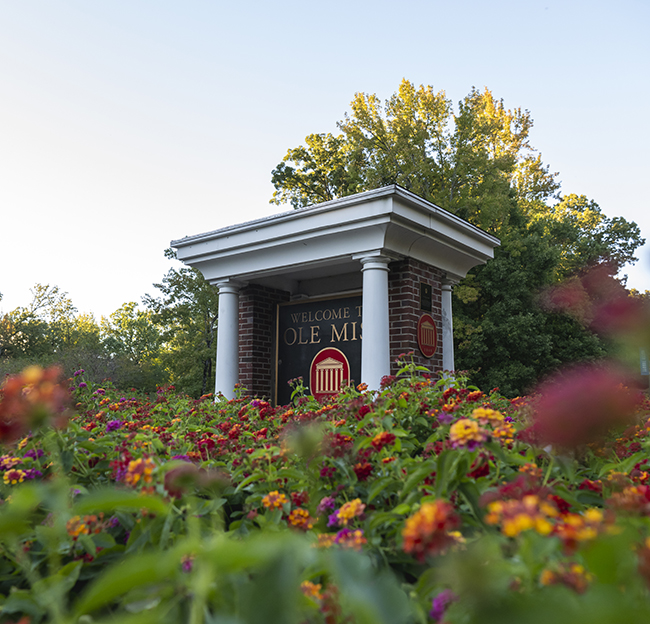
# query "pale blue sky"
(126, 124)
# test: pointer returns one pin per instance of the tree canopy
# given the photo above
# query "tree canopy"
(476, 161)
(172, 339)
(186, 314)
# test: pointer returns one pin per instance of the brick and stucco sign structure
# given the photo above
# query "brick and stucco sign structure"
(334, 292)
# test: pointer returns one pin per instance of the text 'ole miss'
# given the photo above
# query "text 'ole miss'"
(306, 332)
(320, 341)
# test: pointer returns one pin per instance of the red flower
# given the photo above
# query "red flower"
(362, 470)
(382, 439)
(363, 410)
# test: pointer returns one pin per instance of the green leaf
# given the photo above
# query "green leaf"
(442, 470)
(131, 572)
(103, 540)
(422, 471)
(378, 486)
(109, 500)
(21, 601)
(402, 509)
(256, 476)
(55, 587)
(381, 517)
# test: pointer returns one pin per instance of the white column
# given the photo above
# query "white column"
(447, 326)
(375, 346)
(227, 368)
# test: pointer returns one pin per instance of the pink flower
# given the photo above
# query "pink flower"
(582, 404)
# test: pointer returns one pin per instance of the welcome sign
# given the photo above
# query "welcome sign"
(320, 341)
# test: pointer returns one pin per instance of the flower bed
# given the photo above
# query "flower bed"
(426, 501)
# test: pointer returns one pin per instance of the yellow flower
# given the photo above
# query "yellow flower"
(349, 511)
(466, 433)
(487, 416)
(274, 500)
(300, 519)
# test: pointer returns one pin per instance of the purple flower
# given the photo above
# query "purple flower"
(183, 457)
(440, 604)
(445, 418)
(83, 384)
(32, 473)
(81, 371)
(508, 419)
(342, 535)
(113, 522)
(187, 562)
(326, 503)
(100, 391)
(34, 453)
(112, 425)
(333, 519)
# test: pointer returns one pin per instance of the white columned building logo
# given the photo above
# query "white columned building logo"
(329, 373)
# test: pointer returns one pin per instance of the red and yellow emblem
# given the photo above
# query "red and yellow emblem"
(427, 335)
(328, 373)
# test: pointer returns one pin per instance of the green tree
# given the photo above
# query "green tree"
(474, 163)
(132, 344)
(501, 335)
(132, 333)
(585, 236)
(50, 331)
(186, 313)
(478, 163)
(22, 335)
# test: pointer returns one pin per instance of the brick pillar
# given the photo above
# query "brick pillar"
(257, 327)
(404, 280)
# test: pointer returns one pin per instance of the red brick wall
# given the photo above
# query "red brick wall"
(257, 306)
(404, 278)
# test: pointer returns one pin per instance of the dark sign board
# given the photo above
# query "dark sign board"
(320, 341)
(425, 297)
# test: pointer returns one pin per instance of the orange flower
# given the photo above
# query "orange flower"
(300, 519)
(139, 469)
(274, 500)
(30, 400)
(516, 516)
(311, 590)
(427, 531)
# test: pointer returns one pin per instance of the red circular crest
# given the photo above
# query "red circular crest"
(328, 373)
(427, 335)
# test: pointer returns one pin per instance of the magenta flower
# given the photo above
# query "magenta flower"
(440, 604)
(581, 404)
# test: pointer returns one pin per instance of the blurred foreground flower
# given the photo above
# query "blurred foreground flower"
(34, 398)
(187, 477)
(581, 405)
(597, 299)
(429, 530)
